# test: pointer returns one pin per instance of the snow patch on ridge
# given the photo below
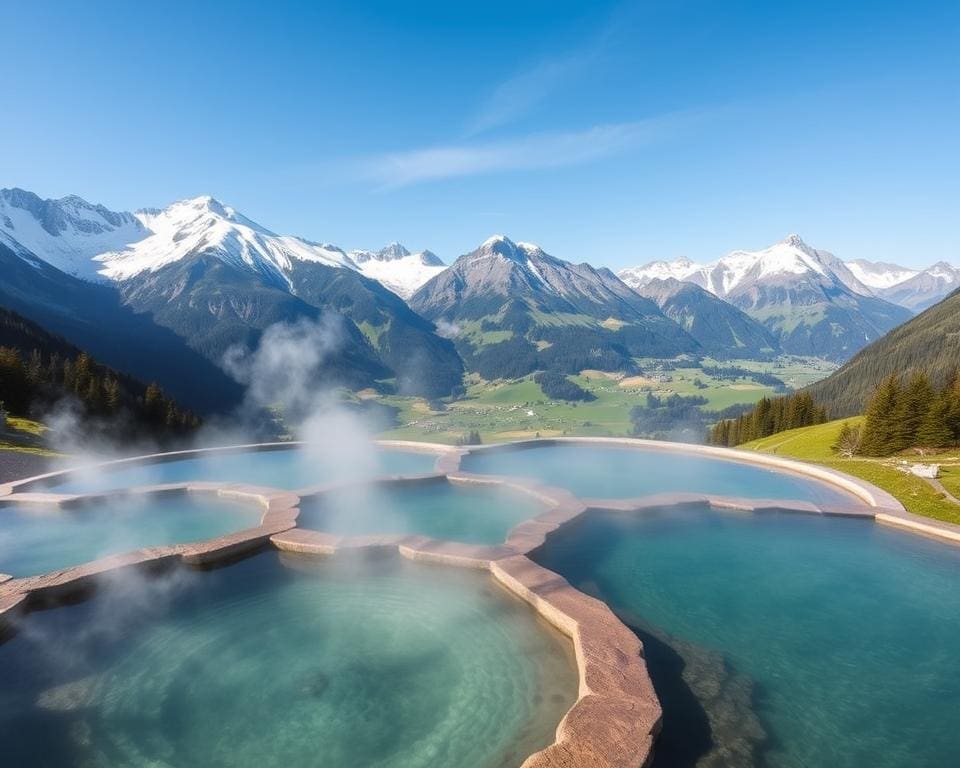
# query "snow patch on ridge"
(203, 224)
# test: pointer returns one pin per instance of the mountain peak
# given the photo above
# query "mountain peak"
(505, 248)
(495, 240)
(205, 203)
(530, 248)
(392, 252)
(795, 240)
(430, 259)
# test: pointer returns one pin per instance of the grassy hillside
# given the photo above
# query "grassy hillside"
(930, 341)
(518, 408)
(917, 495)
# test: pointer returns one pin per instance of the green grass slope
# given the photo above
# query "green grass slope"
(813, 444)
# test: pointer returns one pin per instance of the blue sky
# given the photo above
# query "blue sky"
(614, 133)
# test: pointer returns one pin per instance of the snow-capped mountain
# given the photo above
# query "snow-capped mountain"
(94, 243)
(398, 269)
(678, 269)
(739, 270)
(914, 289)
(878, 275)
(216, 279)
(925, 288)
(66, 233)
(808, 297)
(503, 270)
(205, 225)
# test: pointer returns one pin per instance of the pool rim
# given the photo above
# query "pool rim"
(617, 715)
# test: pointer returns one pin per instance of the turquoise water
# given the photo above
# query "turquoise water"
(290, 468)
(36, 539)
(610, 472)
(329, 663)
(441, 510)
(826, 642)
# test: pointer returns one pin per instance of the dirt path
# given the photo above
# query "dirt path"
(938, 486)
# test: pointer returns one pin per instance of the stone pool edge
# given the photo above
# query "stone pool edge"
(617, 704)
(617, 715)
(280, 510)
(885, 508)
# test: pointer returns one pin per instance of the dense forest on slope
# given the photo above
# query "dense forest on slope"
(559, 387)
(38, 369)
(902, 413)
(769, 416)
(929, 342)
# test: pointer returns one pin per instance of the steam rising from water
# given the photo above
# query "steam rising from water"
(284, 375)
(286, 368)
(287, 374)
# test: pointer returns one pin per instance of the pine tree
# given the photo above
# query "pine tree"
(762, 418)
(912, 407)
(952, 395)
(35, 368)
(879, 429)
(935, 431)
(153, 404)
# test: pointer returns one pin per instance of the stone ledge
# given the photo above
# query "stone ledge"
(617, 716)
(866, 492)
(420, 548)
(425, 478)
(915, 524)
(733, 503)
(280, 514)
(453, 553)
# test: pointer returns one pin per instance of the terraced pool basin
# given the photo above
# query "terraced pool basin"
(37, 538)
(286, 661)
(288, 468)
(597, 471)
(473, 514)
(783, 639)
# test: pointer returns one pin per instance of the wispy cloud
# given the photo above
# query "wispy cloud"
(533, 151)
(517, 95)
(522, 92)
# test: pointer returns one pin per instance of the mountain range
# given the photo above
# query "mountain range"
(206, 278)
(814, 303)
(913, 289)
(159, 291)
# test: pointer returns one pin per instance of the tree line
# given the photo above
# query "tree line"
(902, 413)
(559, 387)
(906, 413)
(769, 416)
(731, 372)
(35, 381)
